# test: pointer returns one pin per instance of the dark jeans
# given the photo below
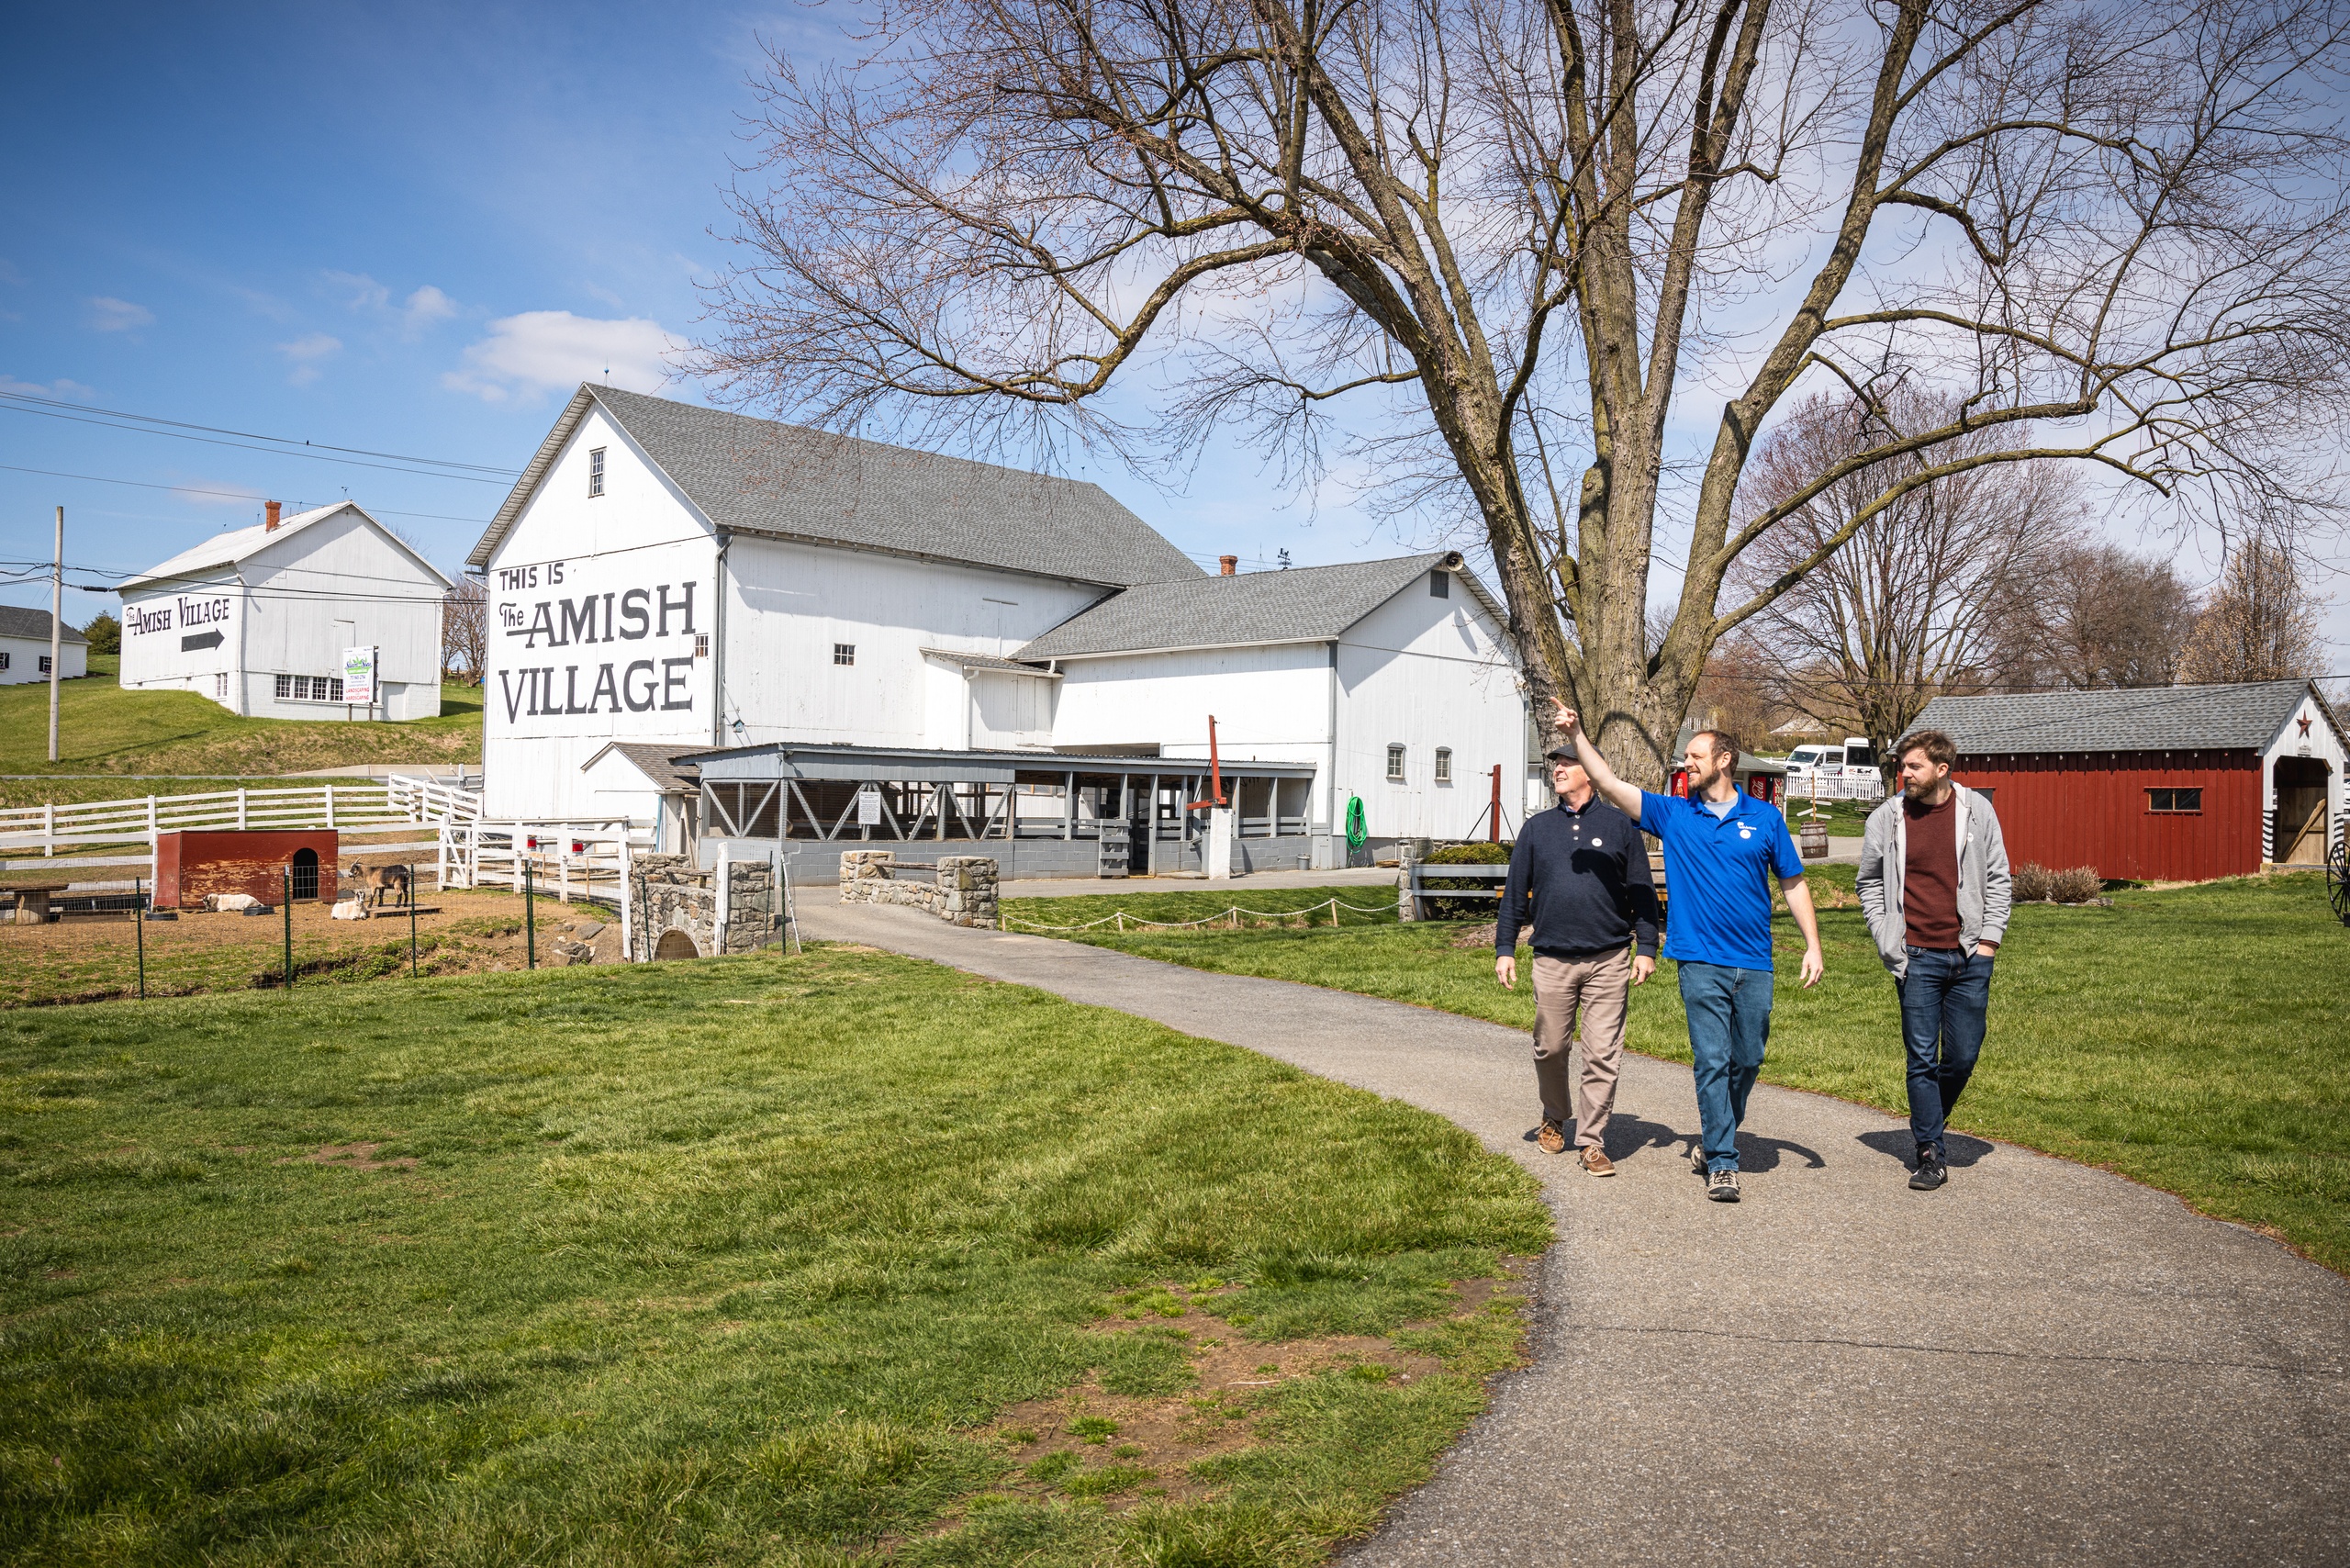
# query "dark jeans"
(1945, 1001)
(1730, 1026)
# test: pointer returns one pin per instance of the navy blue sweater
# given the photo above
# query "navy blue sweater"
(1587, 874)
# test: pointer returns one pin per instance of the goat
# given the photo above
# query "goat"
(381, 881)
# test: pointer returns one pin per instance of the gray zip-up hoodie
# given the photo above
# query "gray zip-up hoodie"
(1984, 891)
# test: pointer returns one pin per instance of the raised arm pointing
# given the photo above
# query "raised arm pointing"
(1624, 797)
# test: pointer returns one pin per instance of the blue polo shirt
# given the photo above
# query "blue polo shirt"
(1719, 873)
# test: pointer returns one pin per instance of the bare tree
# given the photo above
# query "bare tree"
(2260, 623)
(1742, 691)
(1517, 236)
(2111, 617)
(464, 631)
(1888, 605)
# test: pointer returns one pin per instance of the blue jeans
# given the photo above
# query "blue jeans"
(1945, 1001)
(1729, 1024)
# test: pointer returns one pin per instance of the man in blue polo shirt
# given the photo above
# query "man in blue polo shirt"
(1721, 848)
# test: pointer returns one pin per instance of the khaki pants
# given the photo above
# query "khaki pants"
(1599, 989)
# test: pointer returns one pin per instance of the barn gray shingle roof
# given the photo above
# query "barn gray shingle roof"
(17, 622)
(1305, 604)
(2160, 718)
(758, 476)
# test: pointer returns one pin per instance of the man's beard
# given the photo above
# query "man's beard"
(1920, 794)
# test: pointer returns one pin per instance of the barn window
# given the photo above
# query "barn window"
(1444, 764)
(701, 645)
(221, 684)
(843, 653)
(1395, 764)
(4, 658)
(44, 664)
(1440, 583)
(595, 472)
(2175, 801)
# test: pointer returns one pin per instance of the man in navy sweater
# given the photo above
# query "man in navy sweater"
(1585, 871)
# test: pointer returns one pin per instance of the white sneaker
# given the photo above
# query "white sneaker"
(1722, 1186)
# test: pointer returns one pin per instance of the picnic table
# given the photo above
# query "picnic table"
(32, 901)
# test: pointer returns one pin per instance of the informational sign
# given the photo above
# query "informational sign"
(868, 807)
(619, 641)
(359, 677)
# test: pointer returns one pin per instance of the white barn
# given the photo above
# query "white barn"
(24, 647)
(734, 627)
(258, 620)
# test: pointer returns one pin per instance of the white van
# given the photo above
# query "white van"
(1852, 759)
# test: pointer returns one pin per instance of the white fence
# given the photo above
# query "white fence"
(368, 809)
(1857, 784)
(570, 860)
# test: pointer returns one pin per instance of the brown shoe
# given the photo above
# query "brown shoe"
(1552, 1139)
(1597, 1163)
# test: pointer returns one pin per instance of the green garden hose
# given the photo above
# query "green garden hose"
(1356, 832)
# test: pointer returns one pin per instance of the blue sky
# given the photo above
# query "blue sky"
(407, 229)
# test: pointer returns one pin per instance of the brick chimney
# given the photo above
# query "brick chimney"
(1231, 564)
(274, 509)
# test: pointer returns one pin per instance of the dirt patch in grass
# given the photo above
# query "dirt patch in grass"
(1106, 1441)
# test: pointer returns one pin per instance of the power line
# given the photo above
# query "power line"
(234, 495)
(251, 435)
(244, 446)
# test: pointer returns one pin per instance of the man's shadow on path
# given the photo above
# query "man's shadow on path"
(1628, 1137)
(1896, 1143)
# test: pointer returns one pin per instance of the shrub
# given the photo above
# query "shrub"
(2035, 884)
(1471, 854)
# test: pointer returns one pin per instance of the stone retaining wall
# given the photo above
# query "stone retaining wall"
(963, 892)
(670, 894)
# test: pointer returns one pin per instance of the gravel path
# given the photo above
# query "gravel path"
(2041, 1363)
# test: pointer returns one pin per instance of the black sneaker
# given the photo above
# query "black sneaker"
(1722, 1186)
(1930, 1172)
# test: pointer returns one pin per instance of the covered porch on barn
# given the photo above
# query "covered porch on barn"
(1053, 814)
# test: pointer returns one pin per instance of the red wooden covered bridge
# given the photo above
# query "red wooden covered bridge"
(2170, 783)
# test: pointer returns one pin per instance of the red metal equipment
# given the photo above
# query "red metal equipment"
(1216, 776)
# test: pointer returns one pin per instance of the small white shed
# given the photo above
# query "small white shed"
(262, 619)
(24, 647)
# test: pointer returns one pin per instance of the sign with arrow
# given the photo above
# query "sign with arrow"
(201, 640)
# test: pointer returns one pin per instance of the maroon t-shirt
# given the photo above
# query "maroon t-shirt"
(1930, 878)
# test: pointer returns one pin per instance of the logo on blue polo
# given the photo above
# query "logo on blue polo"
(1745, 832)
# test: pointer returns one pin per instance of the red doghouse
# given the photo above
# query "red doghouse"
(190, 865)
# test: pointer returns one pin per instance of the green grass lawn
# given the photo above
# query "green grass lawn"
(101, 728)
(760, 1261)
(2196, 1039)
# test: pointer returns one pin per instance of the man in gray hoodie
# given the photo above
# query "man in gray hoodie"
(1933, 882)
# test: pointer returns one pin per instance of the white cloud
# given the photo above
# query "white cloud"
(306, 351)
(71, 391)
(423, 307)
(541, 350)
(365, 293)
(110, 315)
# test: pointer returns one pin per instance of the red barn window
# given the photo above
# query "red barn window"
(2176, 800)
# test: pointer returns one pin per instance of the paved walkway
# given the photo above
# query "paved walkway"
(2041, 1363)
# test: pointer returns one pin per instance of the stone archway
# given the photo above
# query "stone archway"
(676, 945)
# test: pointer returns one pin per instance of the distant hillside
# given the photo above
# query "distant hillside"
(103, 729)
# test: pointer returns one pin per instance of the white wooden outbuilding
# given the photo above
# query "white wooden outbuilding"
(262, 620)
(24, 647)
(670, 582)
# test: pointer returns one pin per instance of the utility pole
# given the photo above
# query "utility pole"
(56, 627)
